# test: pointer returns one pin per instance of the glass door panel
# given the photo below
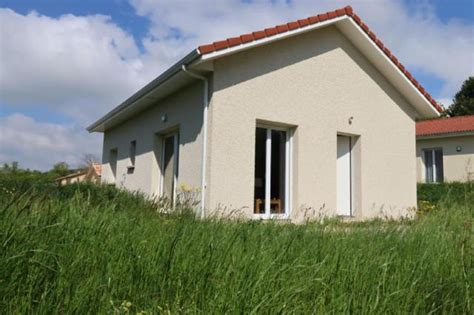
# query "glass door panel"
(278, 172)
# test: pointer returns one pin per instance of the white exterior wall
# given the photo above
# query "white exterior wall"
(184, 112)
(457, 166)
(319, 84)
(316, 82)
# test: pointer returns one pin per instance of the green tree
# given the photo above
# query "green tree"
(15, 167)
(463, 102)
(8, 168)
(60, 169)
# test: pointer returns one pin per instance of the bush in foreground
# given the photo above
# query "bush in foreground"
(84, 249)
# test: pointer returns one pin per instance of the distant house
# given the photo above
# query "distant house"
(445, 149)
(309, 118)
(92, 174)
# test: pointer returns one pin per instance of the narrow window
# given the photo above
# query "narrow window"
(169, 166)
(113, 154)
(433, 159)
(133, 149)
(271, 185)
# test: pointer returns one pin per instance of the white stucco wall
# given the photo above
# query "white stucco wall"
(314, 82)
(184, 113)
(457, 166)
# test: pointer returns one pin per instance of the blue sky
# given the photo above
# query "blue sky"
(64, 63)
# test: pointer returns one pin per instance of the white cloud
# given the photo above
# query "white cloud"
(39, 145)
(80, 66)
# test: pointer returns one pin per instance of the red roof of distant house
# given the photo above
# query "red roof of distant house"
(269, 32)
(445, 125)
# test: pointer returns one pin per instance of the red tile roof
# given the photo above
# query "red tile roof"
(269, 32)
(445, 125)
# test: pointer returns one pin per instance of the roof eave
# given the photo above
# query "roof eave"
(99, 125)
(445, 135)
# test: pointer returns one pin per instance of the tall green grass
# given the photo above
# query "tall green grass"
(84, 249)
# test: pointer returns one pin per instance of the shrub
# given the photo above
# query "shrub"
(454, 192)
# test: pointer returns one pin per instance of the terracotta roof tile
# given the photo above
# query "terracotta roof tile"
(323, 17)
(221, 44)
(364, 27)
(340, 12)
(234, 41)
(282, 28)
(332, 14)
(271, 31)
(313, 19)
(204, 49)
(268, 32)
(445, 125)
(379, 43)
(246, 38)
(372, 36)
(293, 25)
(356, 18)
(258, 35)
(303, 22)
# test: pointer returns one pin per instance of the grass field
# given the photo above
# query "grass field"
(84, 249)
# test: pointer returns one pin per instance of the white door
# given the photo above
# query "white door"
(344, 203)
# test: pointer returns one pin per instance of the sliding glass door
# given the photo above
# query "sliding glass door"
(271, 187)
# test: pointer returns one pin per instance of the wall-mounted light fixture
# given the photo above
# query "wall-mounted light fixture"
(164, 118)
(458, 148)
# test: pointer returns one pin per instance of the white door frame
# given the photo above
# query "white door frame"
(175, 135)
(268, 166)
(351, 178)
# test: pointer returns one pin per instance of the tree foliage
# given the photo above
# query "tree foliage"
(463, 102)
(60, 169)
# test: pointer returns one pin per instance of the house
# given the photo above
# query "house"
(445, 149)
(310, 118)
(91, 174)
